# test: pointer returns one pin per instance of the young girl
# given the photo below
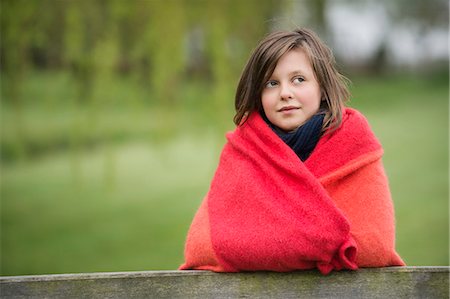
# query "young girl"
(300, 183)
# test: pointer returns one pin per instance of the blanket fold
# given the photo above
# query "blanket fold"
(267, 210)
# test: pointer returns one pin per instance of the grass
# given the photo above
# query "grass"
(125, 203)
(55, 221)
(410, 117)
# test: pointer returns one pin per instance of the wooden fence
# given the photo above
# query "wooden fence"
(395, 282)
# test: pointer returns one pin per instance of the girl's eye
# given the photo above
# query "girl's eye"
(271, 84)
(298, 80)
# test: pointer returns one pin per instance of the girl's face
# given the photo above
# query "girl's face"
(292, 94)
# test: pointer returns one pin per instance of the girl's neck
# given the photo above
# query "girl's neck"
(304, 139)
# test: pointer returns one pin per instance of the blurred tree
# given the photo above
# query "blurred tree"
(78, 46)
(425, 14)
(317, 17)
(46, 43)
(219, 53)
(420, 17)
(98, 40)
(17, 21)
(228, 45)
(160, 46)
(168, 55)
(256, 24)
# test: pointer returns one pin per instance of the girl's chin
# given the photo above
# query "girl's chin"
(290, 127)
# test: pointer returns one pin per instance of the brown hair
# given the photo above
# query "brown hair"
(263, 61)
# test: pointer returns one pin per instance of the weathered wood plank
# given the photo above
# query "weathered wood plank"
(395, 282)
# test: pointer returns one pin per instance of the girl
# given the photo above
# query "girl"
(300, 183)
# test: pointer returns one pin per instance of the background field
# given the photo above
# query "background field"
(112, 119)
(128, 205)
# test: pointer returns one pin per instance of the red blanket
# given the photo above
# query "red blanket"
(268, 210)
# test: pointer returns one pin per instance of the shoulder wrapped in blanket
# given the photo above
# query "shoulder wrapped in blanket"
(268, 210)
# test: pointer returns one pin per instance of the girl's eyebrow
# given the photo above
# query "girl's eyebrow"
(296, 72)
(293, 73)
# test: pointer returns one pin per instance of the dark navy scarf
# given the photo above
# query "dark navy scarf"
(304, 139)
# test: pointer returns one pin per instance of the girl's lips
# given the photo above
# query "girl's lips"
(288, 108)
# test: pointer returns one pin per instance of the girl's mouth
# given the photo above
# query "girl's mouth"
(288, 109)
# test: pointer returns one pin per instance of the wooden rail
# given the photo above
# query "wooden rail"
(395, 282)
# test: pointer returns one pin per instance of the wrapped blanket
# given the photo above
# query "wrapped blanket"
(268, 210)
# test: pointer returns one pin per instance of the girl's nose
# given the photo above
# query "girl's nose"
(286, 92)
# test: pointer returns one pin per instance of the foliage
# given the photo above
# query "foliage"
(112, 119)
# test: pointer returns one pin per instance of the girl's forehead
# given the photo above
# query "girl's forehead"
(295, 60)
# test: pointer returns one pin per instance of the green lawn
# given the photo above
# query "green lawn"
(126, 203)
(59, 219)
